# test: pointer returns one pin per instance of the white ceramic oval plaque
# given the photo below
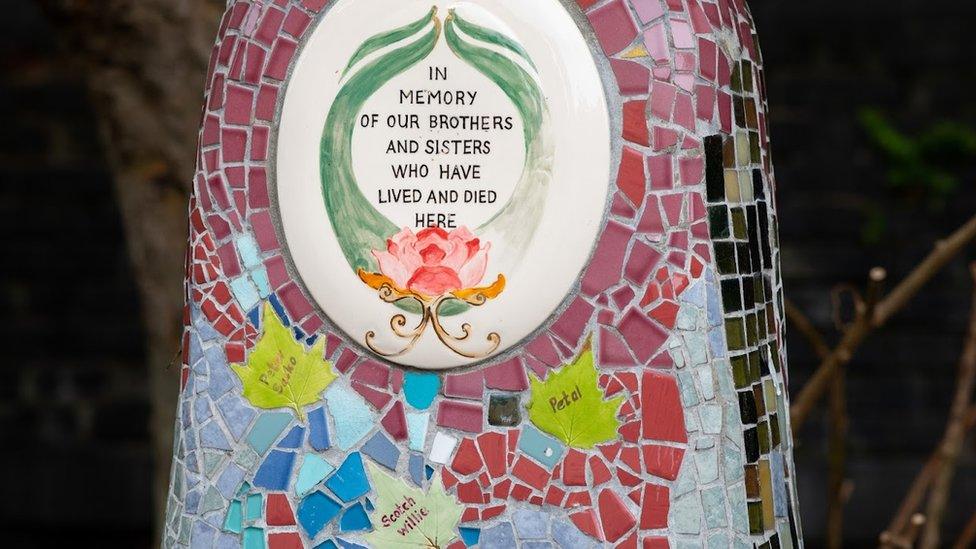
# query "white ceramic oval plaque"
(442, 172)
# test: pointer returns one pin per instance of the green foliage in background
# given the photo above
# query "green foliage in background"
(922, 167)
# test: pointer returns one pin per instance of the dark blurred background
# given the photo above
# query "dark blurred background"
(872, 116)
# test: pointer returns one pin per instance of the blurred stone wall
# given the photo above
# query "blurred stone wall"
(74, 408)
(826, 62)
(74, 403)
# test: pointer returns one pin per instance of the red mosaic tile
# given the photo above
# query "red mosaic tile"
(632, 78)
(285, 540)
(586, 521)
(468, 460)
(662, 461)
(613, 25)
(615, 517)
(655, 505)
(635, 123)
(376, 398)
(493, 449)
(372, 373)
(470, 385)
(662, 413)
(460, 415)
(631, 179)
(278, 511)
(531, 473)
(507, 376)
(395, 422)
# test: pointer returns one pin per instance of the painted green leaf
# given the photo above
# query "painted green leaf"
(404, 516)
(280, 373)
(569, 405)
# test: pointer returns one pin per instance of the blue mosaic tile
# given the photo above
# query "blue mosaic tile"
(227, 541)
(212, 436)
(354, 419)
(266, 430)
(355, 519)
(421, 389)
(541, 447)
(203, 535)
(780, 505)
(237, 415)
(248, 249)
(221, 379)
(201, 410)
(318, 436)
(501, 536)
(229, 480)
(253, 538)
(234, 520)
(253, 507)
(275, 471)
(349, 482)
(260, 278)
(382, 450)
(294, 438)
(417, 423)
(531, 524)
(314, 469)
(416, 469)
(470, 536)
(279, 309)
(713, 502)
(315, 511)
(245, 292)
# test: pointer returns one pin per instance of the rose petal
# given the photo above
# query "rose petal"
(433, 255)
(432, 231)
(457, 255)
(434, 281)
(391, 266)
(473, 271)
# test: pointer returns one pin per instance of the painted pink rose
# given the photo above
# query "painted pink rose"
(434, 262)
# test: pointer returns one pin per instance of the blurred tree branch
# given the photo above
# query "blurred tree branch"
(865, 324)
(955, 433)
(894, 535)
(145, 63)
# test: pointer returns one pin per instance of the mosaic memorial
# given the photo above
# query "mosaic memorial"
(486, 273)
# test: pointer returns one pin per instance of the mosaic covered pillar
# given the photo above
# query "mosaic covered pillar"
(485, 273)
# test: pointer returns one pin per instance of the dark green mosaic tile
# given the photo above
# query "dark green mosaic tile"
(718, 221)
(735, 334)
(752, 333)
(758, 188)
(747, 76)
(755, 366)
(748, 293)
(774, 430)
(725, 258)
(731, 295)
(739, 224)
(763, 434)
(740, 371)
(750, 438)
(740, 111)
(742, 253)
(747, 407)
(504, 411)
(757, 393)
(755, 517)
(714, 172)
